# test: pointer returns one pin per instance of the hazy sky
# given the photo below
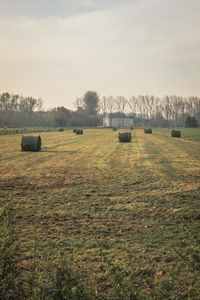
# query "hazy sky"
(59, 49)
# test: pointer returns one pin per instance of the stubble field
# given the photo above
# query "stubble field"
(126, 214)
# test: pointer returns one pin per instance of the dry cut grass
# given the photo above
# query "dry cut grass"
(135, 205)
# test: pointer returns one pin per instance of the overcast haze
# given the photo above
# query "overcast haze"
(57, 50)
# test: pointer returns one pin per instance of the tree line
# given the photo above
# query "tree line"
(19, 111)
(168, 111)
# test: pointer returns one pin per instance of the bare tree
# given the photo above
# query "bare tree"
(78, 103)
(5, 102)
(132, 103)
(150, 104)
(28, 105)
(120, 103)
(103, 105)
(141, 106)
(110, 104)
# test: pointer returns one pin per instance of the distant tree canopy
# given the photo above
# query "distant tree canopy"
(191, 122)
(89, 104)
(168, 111)
(19, 111)
(11, 102)
(146, 110)
(16, 108)
(61, 116)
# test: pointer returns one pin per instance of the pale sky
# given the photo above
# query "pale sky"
(59, 49)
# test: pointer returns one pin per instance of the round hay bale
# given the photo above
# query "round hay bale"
(74, 130)
(176, 133)
(147, 130)
(79, 131)
(114, 129)
(60, 129)
(125, 137)
(31, 143)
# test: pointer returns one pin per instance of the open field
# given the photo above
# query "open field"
(126, 214)
(187, 133)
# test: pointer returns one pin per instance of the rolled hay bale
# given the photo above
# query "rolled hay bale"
(79, 131)
(125, 137)
(131, 128)
(147, 130)
(114, 129)
(74, 130)
(60, 129)
(176, 133)
(31, 143)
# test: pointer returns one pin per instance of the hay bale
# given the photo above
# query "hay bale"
(125, 137)
(74, 130)
(60, 129)
(147, 130)
(131, 128)
(114, 129)
(176, 133)
(31, 143)
(79, 131)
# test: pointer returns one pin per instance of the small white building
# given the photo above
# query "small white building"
(112, 120)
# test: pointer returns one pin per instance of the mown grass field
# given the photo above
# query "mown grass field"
(126, 214)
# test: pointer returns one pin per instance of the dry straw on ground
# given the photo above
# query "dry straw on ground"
(31, 143)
